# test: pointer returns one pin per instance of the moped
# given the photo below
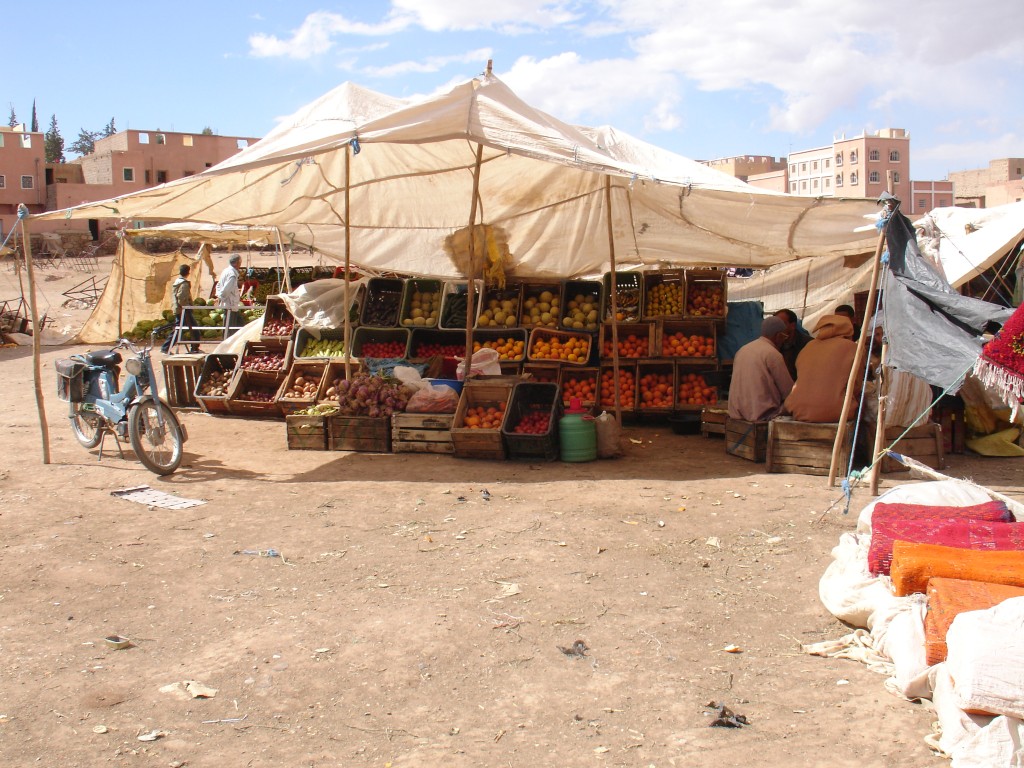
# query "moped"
(132, 413)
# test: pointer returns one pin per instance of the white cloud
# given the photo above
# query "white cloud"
(970, 154)
(316, 35)
(432, 63)
(509, 16)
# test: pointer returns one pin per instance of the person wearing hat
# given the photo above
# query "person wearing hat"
(823, 370)
(760, 381)
(228, 292)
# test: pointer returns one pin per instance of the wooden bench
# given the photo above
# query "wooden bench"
(805, 448)
(712, 419)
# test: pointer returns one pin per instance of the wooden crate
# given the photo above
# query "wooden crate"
(712, 419)
(701, 281)
(638, 336)
(626, 385)
(422, 433)
(675, 338)
(277, 314)
(805, 448)
(746, 439)
(181, 373)
(281, 349)
(471, 443)
(359, 433)
(667, 288)
(542, 336)
(494, 300)
(248, 381)
(306, 433)
(533, 309)
(543, 372)
(692, 387)
(572, 379)
(923, 443)
(311, 370)
(629, 295)
(509, 343)
(219, 364)
(651, 376)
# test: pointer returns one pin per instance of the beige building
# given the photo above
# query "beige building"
(22, 174)
(1001, 183)
(860, 166)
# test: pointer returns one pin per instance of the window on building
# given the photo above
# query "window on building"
(853, 178)
(922, 203)
(943, 202)
(143, 138)
(792, 168)
(186, 141)
(839, 179)
(161, 139)
(149, 177)
(803, 185)
(792, 186)
(27, 182)
(242, 143)
(873, 154)
(895, 177)
(803, 167)
(161, 177)
(894, 156)
(2, 143)
(814, 165)
(839, 159)
(188, 173)
(814, 184)
(3, 182)
(26, 141)
(828, 162)
(128, 174)
(873, 177)
(853, 156)
(209, 165)
(827, 182)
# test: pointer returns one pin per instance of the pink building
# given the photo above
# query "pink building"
(22, 174)
(925, 195)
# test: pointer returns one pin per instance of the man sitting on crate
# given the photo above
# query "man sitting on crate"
(823, 370)
(760, 380)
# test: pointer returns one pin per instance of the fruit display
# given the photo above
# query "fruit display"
(278, 327)
(656, 389)
(543, 375)
(664, 299)
(304, 385)
(382, 349)
(253, 394)
(367, 395)
(423, 304)
(579, 384)
(630, 345)
(705, 298)
(581, 311)
(383, 303)
(484, 416)
(508, 348)
(627, 297)
(626, 387)
(565, 347)
(215, 384)
(679, 344)
(323, 348)
(693, 389)
(432, 348)
(541, 308)
(500, 310)
(533, 422)
(266, 362)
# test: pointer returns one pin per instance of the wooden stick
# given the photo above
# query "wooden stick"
(471, 287)
(36, 343)
(348, 246)
(615, 304)
(883, 386)
(858, 359)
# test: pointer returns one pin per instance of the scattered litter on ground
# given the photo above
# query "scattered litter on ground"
(143, 494)
(152, 735)
(258, 552)
(577, 650)
(725, 717)
(190, 689)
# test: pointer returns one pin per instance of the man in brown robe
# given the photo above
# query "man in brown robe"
(760, 381)
(823, 370)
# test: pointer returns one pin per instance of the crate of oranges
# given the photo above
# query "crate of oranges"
(509, 344)
(581, 383)
(663, 294)
(655, 387)
(690, 339)
(476, 428)
(561, 346)
(696, 389)
(635, 340)
(625, 385)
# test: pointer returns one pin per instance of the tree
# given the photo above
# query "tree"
(108, 129)
(13, 119)
(54, 143)
(35, 120)
(207, 131)
(85, 143)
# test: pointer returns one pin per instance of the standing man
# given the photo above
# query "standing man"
(181, 297)
(796, 339)
(760, 381)
(228, 294)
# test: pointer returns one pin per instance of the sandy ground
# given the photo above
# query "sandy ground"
(411, 621)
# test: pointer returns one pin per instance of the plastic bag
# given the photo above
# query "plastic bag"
(438, 398)
(411, 378)
(609, 436)
(483, 363)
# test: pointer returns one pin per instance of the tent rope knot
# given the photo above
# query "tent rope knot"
(885, 256)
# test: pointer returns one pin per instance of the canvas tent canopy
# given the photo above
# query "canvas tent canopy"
(388, 180)
(968, 241)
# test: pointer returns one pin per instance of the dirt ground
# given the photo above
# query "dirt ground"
(410, 620)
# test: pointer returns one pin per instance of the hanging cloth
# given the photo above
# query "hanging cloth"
(1001, 365)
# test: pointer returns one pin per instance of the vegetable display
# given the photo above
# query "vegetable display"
(366, 395)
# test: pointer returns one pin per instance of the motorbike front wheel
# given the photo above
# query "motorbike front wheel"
(86, 426)
(157, 445)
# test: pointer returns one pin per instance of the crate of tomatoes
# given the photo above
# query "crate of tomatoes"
(530, 430)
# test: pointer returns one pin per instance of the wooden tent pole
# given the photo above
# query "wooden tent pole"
(858, 359)
(36, 342)
(284, 259)
(471, 287)
(883, 386)
(348, 261)
(615, 302)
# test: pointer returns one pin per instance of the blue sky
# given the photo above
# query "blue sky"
(703, 79)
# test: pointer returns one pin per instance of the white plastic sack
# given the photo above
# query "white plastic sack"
(1000, 744)
(321, 303)
(848, 589)
(609, 436)
(483, 363)
(897, 631)
(985, 659)
(957, 726)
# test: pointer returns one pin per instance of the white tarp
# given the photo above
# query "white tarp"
(970, 240)
(542, 182)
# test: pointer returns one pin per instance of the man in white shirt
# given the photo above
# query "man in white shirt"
(228, 295)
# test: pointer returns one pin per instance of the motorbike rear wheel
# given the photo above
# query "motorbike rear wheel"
(158, 446)
(86, 426)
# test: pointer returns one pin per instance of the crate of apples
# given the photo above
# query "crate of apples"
(484, 416)
(264, 361)
(627, 388)
(534, 422)
(679, 344)
(656, 390)
(705, 299)
(694, 390)
(278, 327)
